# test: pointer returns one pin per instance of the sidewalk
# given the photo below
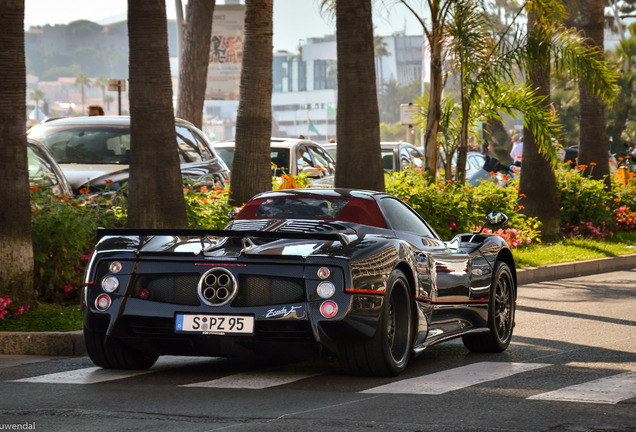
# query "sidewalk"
(72, 343)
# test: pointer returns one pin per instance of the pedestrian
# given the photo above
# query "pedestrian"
(517, 149)
(95, 110)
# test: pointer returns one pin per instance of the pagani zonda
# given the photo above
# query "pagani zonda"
(350, 273)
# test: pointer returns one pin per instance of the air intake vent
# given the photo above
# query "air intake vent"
(266, 291)
(177, 289)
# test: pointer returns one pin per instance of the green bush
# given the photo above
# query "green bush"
(207, 209)
(64, 233)
(582, 199)
(452, 208)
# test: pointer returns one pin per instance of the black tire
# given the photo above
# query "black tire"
(389, 350)
(114, 357)
(501, 314)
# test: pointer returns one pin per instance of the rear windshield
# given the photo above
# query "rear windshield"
(301, 208)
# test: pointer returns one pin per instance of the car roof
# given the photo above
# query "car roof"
(278, 142)
(99, 120)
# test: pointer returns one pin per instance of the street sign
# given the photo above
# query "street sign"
(407, 111)
(116, 85)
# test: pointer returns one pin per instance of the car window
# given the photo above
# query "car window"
(400, 217)
(303, 159)
(41, 172)
(227, 154)
(280, 158)
(321, 160)
(301, 208)
(387, 159)
(189, 150)
(206, 151)
(85, 144)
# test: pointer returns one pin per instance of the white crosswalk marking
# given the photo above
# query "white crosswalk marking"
(455, 379)
(258, 379)
(609, 390)
(90, 375)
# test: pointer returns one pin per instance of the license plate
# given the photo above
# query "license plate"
(215, 324)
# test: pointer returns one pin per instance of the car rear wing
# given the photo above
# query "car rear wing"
(246, 235)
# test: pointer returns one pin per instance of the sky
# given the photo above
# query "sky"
(294, 20)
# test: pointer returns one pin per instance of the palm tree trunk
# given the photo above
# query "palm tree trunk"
(155, 188)
(434, 113)
(593, 148)
(193, 66)
(251, 166)
(16, 250)
(358, 120)
(537, 184)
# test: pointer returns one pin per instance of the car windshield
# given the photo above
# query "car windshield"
(86, 145)
(301, 208)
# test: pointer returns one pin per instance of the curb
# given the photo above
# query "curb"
(69, 344)
(43, 343)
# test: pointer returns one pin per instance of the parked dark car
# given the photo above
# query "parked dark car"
(292, 156)
(44, 171)
(94, 152)
(301, 272)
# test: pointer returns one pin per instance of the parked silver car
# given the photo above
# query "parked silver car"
(44, 171)
(292, 156)
(396, 156)
(94, 152)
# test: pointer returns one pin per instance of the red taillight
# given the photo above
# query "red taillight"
(103, 302)
(329, 309)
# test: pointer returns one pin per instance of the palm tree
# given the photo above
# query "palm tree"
(83, 81)
(155, 188)
(594, 147)
(101, 82)
(16, 250)
(379, 51)
(358, 120)
(193, 65)
(37, 95)
(251, 166)
(439, 10)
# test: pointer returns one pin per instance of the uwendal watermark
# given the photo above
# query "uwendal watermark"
(17, 426)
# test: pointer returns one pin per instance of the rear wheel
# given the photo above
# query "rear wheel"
(388, 351)
(501, 314)
(113, 357)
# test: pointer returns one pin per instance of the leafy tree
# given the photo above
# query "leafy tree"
(251, 166)
(16, 250)
(193, 67)
(155, 186)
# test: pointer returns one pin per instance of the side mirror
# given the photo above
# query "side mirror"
(494, 219)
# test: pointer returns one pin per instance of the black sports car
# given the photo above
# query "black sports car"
(347, 273)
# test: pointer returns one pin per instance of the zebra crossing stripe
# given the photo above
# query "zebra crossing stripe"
(90, 375)
(457, 378)
(608, 390)
(258, 379)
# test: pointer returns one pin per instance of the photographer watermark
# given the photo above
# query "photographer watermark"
(17, 426)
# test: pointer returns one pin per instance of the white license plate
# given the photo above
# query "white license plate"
(215, 324)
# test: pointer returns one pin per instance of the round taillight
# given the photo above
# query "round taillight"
(323, 272)
(110, 284)
(115, 267)
(328, 309)
(103, 302)
(326, 290)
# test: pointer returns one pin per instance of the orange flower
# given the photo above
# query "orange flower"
(33, 188)
(204, 189)
(84, 190)
(405, 199)
(523, 195)
(521, 207)
(109, 181)
(33, 212)
(592, 163)
(563, 189)
(217, 188)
